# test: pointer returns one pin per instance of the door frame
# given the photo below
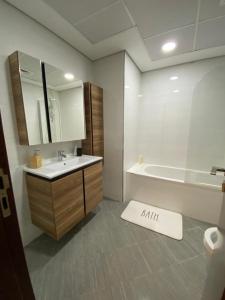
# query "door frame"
(15, 281)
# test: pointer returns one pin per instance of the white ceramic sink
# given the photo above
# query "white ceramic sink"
(65, 164)
(54, 168)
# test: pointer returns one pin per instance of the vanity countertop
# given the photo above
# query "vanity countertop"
(53, 168)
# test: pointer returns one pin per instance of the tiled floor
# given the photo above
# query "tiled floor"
(107, 258)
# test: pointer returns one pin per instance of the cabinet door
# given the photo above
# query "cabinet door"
(87, 144)
(68, 202)
(40, 201)
(97, 120)
(93, 186)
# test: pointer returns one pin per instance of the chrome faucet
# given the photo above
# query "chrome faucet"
(214, 170)
(61, 155)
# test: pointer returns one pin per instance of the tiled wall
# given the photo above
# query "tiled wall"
(109, 74)
(19, 32)
(181, 122)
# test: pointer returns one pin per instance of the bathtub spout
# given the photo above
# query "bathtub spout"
(214, 170)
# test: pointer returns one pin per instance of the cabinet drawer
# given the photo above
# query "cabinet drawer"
(93, 186)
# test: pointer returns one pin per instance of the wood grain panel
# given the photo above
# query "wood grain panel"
(41, 205)
(18, 98)
(94, 143)
(68, 202)
(73, 218)
(93, 186)
(97, 120)
(56, 206)
(87, 144)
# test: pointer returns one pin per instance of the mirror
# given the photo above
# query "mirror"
(33, 99)
(65, 95)
(49, 103)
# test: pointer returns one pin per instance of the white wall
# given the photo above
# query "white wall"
(109, 74)
(19, 32)
(132, 98)
(184, 128)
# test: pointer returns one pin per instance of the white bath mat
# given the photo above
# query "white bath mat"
(157, 219)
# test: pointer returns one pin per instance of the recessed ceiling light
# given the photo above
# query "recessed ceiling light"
(176, 91)
(69, 76)
(169, 46)
(140, 95)
(173, 77)
(127, 86)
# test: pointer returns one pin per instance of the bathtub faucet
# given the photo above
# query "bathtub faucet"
(217, 169)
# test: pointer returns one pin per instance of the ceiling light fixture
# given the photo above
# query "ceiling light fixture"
(69, 76)
(168, 47)
(127, 86)
(176, 91)
(173, 77)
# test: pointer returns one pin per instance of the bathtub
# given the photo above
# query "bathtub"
(194, 193)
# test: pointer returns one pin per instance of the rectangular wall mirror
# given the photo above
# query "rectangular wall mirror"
(49, 102)
(65, 96)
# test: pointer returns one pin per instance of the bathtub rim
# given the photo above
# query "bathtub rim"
(142, 173)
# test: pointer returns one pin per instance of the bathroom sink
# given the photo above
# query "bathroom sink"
(54, 168)
(65, 164)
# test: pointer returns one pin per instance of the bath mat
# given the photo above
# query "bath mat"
(157, 219)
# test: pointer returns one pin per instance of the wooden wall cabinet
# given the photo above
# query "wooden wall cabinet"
(14, 65)
(93, 100)
(57, 206)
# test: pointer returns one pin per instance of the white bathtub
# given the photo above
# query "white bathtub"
(194, 193)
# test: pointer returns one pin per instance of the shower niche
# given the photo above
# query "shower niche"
(49, 102)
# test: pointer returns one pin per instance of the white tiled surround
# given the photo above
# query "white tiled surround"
(19, 32)
(181, 122)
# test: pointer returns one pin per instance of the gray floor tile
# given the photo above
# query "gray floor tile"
(180, 250)
(127, 263)
(144, 287)
(194, 237)
(193, 275)
(156, 255)
(107, 258)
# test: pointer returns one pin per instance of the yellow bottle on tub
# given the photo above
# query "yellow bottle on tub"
(140, 159)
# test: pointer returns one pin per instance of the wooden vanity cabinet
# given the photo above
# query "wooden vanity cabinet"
(57, 206)
(93, 186)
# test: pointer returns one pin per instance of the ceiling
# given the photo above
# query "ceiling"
(99, 28)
